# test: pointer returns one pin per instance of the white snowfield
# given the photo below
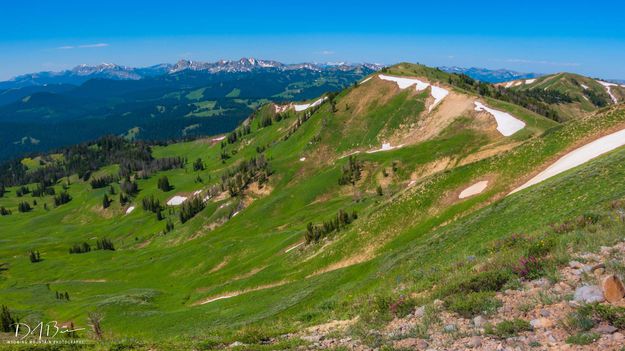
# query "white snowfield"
(530, 81)
(584, 86)
(302, 159)
(607, 88)
(219, 138)
(176, 200)
(130, 209)
(304, 107)
(437, 93)
(474, 189)
(506, 123)
(404, 83)
(578, 156)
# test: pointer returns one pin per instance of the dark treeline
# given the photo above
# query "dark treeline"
(342, 219)
(102, 181)
(81, 159)
(530, 99)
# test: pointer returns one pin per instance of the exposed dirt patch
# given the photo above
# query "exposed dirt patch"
(452, 107)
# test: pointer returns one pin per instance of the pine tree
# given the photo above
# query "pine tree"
(163, 184)
(106, 202)
(34, 256)
(7, 321)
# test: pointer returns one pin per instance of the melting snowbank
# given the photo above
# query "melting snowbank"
(506, 123)
(303, 107)
(474, 189)
(530, 81)
(607, 88)
(578, 157)
(437, 93)
(130, 209)
(176, 200)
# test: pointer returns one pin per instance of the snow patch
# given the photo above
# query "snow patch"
(530, 81)
(584, 86)
(302, 159)
(578, 157)
(130, 209)
(404, 83)
(506, 123)
(176, 200)
(197, 192)
(607, 88)
(474, 189)
(303, 107)
(437, 93)
(219, 138)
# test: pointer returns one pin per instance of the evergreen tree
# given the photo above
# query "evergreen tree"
(7, 321)
(163, 184)
(34, 256)
(198, 165)
(105, 244)
(24, 207)
(4, 211)
(106, 202)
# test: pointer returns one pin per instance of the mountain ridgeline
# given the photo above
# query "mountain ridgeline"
(43, 111)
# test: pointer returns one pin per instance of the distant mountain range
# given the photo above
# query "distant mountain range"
(490, 76)
(42, 111)
(83, 73)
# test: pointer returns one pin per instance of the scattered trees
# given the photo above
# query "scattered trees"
(105, 244)
(62, 198)
(150, 203)
(80, 248)
(315, 233)
(62, 295)
(351, 171)
(129, 187)
(190, 208)
(236, 179)
(102, 181)
(4, 211)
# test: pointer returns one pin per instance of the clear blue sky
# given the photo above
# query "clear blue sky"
(587, 37)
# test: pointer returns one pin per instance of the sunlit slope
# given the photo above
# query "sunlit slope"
(571, 94)
(243, 259)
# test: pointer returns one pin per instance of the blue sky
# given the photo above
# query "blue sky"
(539, 36)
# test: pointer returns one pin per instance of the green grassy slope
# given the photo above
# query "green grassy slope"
(586, 94)
(153, 284)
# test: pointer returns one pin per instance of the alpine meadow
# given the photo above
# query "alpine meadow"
(255, 204)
